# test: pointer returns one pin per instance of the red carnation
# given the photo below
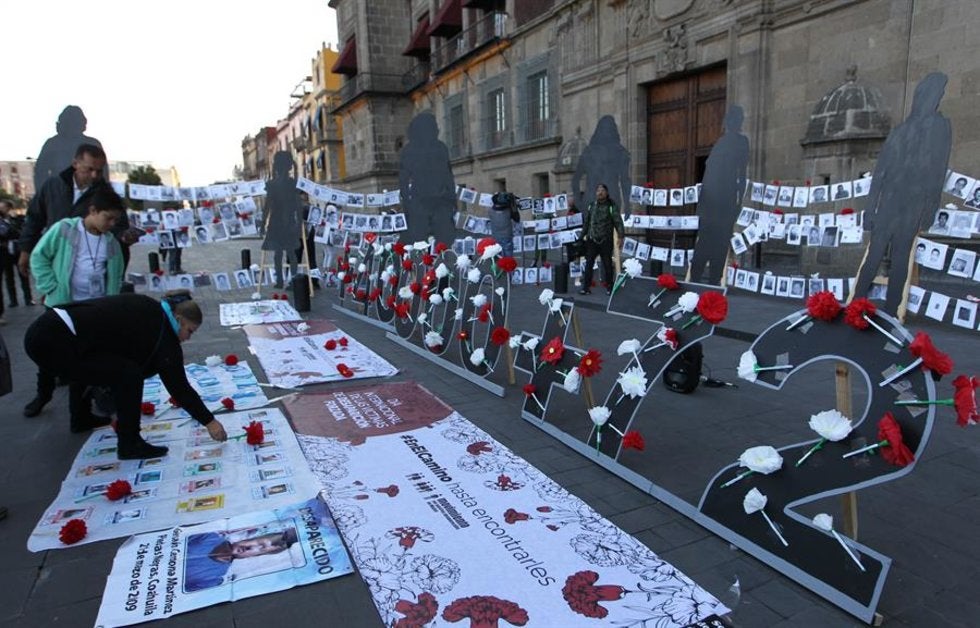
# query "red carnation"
(390, 301)
(530, 389)
(393, 280)
(441, 247)
(823, 306)
(932, 358)
(407, 264)
(73, 531)
(228, 403)
(147, 408)
(418, 614)
(512, 516)
(855, 311)
(375, 294)
(428, 259)
(965, 400)
(507, 264)
(330, 344)
(778, 211)
(633, 440)
(254, 433)
(173, 402)
(583, 595)
(401, 310)
(342, 341)
(895, 452)
(484, 314)
(846, 211)
(349, 277)
(482, 244)
(499, 336)
(398, 248)
(345, 370)
(231, 359)
(713, 306)
(158, 272)
(485, 611)
(553, 351)
(463, 335)
(360, 294)
(216, 220)
(668, 281)
(590, 364)
(118, 489)
(415, 287)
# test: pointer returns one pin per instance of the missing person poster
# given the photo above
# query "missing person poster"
(162, 574)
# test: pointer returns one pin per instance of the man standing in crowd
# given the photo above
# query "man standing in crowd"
(601, 219)
(65, 195)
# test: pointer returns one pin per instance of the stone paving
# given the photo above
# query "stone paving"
(925, 522)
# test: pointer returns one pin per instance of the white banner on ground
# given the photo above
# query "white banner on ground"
(294, 353)
(161, 574)
(198, 480)
(256, 312)
(453, 524)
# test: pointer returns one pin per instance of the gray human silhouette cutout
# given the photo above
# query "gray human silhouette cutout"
(284, 208)
(59, 150)
(906, 188)
(604, 160)
(721, 198)
(425, 178)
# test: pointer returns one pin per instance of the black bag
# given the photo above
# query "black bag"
(6, 381)
(683, 374)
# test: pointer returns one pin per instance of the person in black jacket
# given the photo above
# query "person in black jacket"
(65, 195)
(117, 342)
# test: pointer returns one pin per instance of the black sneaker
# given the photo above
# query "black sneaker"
(34, 407)
(139, 449)
(584, 291)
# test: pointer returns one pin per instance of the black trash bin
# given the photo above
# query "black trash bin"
(153, 259)
(246, 259)
(561, 278)
(301, 293)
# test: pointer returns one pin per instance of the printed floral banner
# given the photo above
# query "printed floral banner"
(257, 312)
(198, 480)
(161, 574)
(455, 526)
(294, 353)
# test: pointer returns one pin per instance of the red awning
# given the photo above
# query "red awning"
(418, 45)
(449, 19)
(347, 61)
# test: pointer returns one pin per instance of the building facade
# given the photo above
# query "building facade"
(517, 86)
(17, 178)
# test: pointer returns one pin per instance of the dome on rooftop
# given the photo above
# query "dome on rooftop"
(851, 110)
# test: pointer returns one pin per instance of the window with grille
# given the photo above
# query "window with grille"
(538, 105)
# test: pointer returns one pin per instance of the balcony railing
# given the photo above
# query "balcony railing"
(368, 82)
(489, 28)
(418, 75)
(299, 143)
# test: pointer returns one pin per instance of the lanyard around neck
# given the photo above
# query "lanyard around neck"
(170, 316)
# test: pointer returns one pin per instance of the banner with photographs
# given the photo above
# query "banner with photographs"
(296, 353)
(348, 199)
(167, 193)
(455, 526)
(212, 383)
(165, 573)
(181, 228)
(198, 480)
(257, 313)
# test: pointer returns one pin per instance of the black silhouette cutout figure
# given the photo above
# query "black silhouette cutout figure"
(428, 191)
(721, 198)
(605, 160)
(59, 150)
(906, 188)
(283, 206)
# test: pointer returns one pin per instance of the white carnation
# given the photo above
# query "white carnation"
(473, 276)
(762, 459)
(477, 357)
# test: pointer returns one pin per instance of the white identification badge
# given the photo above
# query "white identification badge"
(96, 286)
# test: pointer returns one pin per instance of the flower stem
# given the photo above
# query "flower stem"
(88, 497)
(900, 372)
(870, 447)
(798, 322)
(655, 298)
(694, 319)
(774, 528)
(737, 478)
(919, 402)
(818, 445)
(656, 346)
(847, 549)
(882, 330)
(619, 282)
(781, 367)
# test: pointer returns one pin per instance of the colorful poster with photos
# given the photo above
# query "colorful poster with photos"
(198, 480)
(162, 574)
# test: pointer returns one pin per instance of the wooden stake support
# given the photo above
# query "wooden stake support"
(849, 504)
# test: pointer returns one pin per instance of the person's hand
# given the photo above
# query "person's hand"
(130, 236)
(24, 263)
(217, 431)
